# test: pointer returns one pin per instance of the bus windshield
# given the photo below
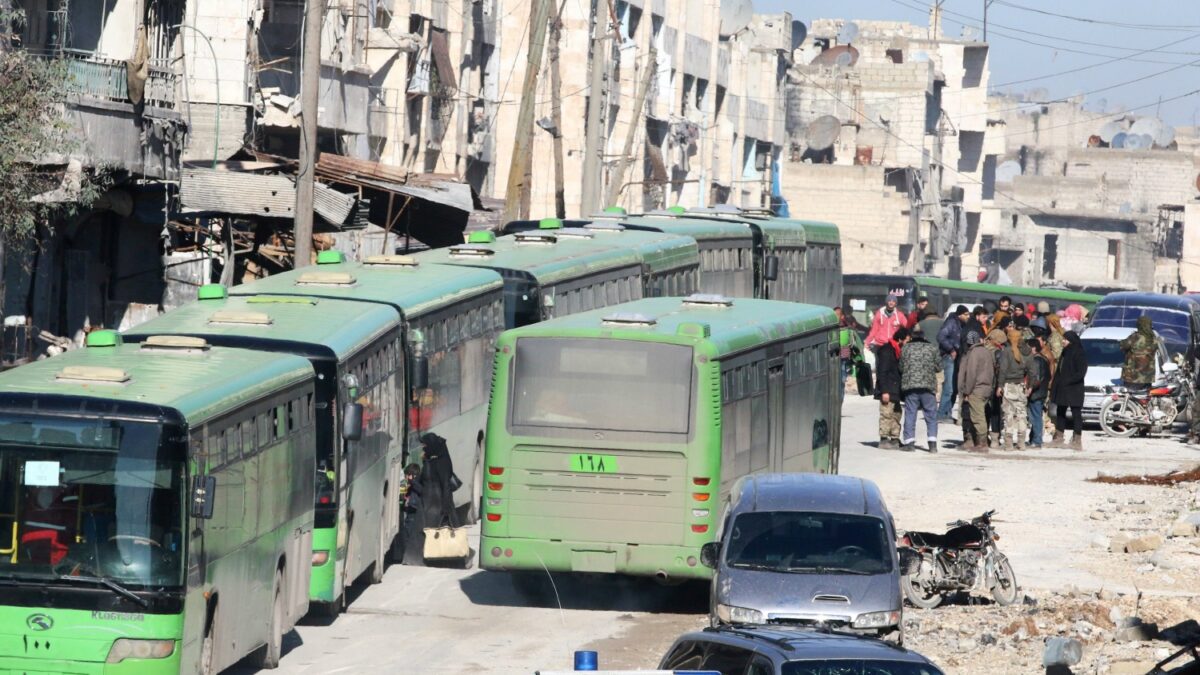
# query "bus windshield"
(617, 385)
(812, 543)
(89, 498)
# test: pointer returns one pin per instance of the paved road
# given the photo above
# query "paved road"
(427, 620)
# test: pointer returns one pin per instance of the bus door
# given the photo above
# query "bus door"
(775, 413)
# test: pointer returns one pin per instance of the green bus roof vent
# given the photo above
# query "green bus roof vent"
(676, 210)
(103, 338)
(470, 251)
(536, 237)
(330, 257)
(481, 237)
(550, 224)
(630, 319)
(212, 292)
(616, 210)
(694, 329)
(708, 300)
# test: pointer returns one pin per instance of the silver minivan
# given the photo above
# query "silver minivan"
(806, 549)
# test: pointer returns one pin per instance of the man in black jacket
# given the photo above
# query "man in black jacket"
(949, 342)
(887, 389)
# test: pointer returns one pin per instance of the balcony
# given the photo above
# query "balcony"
(108, 80)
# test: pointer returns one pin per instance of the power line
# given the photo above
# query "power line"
(1094, 65)
(976, 181)
(1102, 22)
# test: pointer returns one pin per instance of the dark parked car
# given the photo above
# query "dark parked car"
(791, 651)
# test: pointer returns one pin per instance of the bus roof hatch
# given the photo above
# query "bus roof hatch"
(244, 318)
(708, 300)
(630, 319)
(93, 374)
(391, 260)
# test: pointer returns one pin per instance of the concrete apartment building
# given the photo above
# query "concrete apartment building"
(1070, 210)
(889, 137)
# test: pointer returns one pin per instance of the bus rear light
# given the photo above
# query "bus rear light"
(699, 529)
(128, 648)
(508, 553)
(700, 496)
(699, 513)
(495, 486)
(320, 558)
(701, 480)
(493, 517)
(324, 500)
(496, 552)
(496, 470)
(493, 502)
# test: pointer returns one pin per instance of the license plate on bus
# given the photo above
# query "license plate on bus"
(584, 463)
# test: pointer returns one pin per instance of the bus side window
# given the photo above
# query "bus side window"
(247, 438)
(264, 429)
(292, 422)
(280, 422)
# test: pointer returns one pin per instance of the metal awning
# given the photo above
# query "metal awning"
(251, 194)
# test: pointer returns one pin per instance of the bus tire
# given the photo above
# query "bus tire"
(208, 646)
(475, 510)
(268, 655)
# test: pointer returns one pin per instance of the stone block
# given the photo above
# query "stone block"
(1142, 544)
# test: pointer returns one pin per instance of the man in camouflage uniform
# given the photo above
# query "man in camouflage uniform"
(920, 364)
(1140, 349)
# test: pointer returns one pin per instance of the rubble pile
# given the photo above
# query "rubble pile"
(1114, 632)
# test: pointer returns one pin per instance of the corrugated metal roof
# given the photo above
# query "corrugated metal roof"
(250, 194)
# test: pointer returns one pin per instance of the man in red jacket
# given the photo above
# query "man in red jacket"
(885, 323)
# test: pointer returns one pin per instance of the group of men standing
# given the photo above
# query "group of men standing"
(1002, 367)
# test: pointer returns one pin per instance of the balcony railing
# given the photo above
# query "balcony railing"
(107, 79)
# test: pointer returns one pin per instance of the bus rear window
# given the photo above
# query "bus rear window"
(611, 385)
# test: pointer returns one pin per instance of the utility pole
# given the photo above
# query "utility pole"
(648, 70)
(560, 199)
(310, 83)
(986, 4)
(593, 142)
(516, 198)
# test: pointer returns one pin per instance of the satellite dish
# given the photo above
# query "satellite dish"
(799, 33)
(848, 33)
(823, 132)
(735, 15)
(1109, 130)
(1147, 125)
(1165, 137)
(1119, 140)
(841, 55)
(1146, 141)
(1007, 171)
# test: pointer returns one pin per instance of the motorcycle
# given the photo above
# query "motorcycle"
(1155, 410)
(965, 558)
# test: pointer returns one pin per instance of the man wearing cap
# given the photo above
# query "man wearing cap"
(1038, 320)
(949, 339)
(919, 367)
(885, 323)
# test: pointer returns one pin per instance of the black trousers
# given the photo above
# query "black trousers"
(1076, 418)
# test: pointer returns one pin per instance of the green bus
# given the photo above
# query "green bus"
(355, 349)
(156, 504)
(547, 276)
(682, 397)
(451, 316)
(670, 262)
(866, 293)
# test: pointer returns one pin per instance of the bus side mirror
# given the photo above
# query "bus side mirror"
(710, 553)
(420, 372)
(352, 421)
(771, 268)
(204, 489)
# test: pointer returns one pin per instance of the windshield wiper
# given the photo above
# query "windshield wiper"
(110, 584)
(819, 569)
(755, 566)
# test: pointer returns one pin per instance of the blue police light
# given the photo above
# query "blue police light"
(587, 661)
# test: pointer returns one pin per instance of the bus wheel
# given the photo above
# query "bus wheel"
(476, 506)
(207, 648)
(268, 655)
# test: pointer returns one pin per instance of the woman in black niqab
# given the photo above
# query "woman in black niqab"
(437, 496)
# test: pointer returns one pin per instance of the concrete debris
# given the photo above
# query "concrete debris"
(1142, 544)
(1062, 652)
(1133, 629)
(1188, 526)
(1131, 667)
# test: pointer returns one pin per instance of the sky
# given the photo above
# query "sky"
(1133, 53)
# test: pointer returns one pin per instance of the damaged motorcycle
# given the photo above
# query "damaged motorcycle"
(964, 559)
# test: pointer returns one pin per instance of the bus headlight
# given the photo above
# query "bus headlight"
(877, 620)
(731, 614)
(130, 648)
